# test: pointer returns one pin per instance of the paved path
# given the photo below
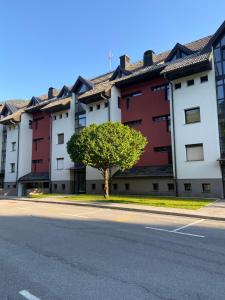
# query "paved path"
(53, 252)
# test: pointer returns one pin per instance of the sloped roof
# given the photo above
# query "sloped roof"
(13, 118)
(146, 171)
(59, 102)
(186, 61)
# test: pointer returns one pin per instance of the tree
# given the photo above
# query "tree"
(105, 146)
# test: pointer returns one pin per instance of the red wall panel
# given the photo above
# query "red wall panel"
(146, 106)
(41, 148)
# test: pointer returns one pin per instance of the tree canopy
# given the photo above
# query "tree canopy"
(107, 145)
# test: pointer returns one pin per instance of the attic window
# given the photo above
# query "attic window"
(204, 79)
(190, 82)
(177, 85)
(82, 89)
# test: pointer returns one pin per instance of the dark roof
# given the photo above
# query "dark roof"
(151, 171)
(32, 177)
(187, 61)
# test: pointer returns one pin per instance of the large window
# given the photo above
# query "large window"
(61, 138)
(192, 115)
(219, 59)
(80, 116)
(60, 163)
(194, 152)
(13, 146)
(12, 167)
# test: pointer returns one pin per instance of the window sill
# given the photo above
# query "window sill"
(194, 160)
(192, 123)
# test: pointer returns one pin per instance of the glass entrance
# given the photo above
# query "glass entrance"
(80, 181)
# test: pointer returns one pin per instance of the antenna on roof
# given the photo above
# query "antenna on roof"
(110, 57)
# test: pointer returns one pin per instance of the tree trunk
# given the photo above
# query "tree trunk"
(106, 180)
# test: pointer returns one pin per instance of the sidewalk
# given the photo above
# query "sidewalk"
(214, 211)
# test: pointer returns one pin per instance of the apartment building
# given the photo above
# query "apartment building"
(175, 98)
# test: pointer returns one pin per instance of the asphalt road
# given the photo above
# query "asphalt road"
(50, 251)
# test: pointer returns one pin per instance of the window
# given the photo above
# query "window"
(63, 186)
(155, 187)
(13, 146)
(55, 186)
(162, 149)
(170, 187)
(14, 186)
(187, 187)
(190, 82)
(60, 116)
(36, 141)
(163, 118)
(128, 102)
(12, 167)
(67, 114)
(177, 86)
(192, 115)
(30, 124)
(90, 108)
(98, 106)
(206, 188)
(162, 87)
(106, 104)
(133, 123)
(204, 79)
(115, 186)
(46, 185)
(60, 163)
(55, 117)
(61, 138)
(93, 186)
(127, 186)
(103, 186)
(194, 152)
(37, 161)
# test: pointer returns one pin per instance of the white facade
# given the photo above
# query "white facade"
(11, 154)
(99, 116)
(25, 145)
(202, 95)
(62, 123)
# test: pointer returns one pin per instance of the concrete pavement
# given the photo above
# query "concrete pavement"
(70, 252)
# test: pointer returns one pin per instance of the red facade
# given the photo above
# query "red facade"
(41, 142)
(147, 104)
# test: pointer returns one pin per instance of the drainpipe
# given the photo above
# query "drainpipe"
(173, 138)
(50, 156)
(17, 163)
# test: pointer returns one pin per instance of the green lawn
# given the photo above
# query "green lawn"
(142, 200)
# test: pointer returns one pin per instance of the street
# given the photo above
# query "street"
(53, 251)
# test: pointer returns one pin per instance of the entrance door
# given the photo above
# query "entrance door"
(80, 181)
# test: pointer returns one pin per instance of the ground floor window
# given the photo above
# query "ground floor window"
(155, 187)
(206, 188)
(187, 187)
(170, 187)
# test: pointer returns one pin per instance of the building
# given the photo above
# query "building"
(175, 98)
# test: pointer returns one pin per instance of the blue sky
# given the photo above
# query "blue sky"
(50, 42)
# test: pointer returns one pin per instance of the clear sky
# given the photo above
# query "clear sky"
(50, 42)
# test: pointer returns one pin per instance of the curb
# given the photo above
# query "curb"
(150, 211)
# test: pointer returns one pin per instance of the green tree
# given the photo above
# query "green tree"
(105, 146)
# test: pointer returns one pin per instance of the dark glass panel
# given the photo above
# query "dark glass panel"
(220, 93)
(218, 69)
(217, 55)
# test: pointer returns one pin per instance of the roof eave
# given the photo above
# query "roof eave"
(104, 95)
(188, 70)
(139, 77)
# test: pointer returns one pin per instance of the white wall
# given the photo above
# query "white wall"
(11, 156)
(66, 126)
(1, 140)
(101, 116)
(25, 145)
(201, 95)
